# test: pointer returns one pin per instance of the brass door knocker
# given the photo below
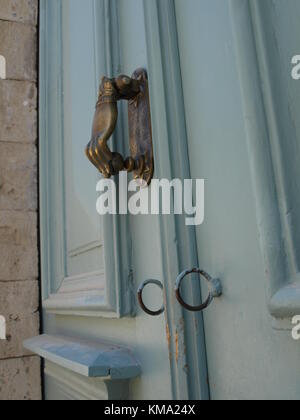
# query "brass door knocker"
(135, 91)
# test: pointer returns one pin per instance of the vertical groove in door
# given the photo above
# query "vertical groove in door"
(179, 251)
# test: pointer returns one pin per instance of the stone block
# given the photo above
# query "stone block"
(18, 114)
(19, 302)
(18, 176)
(18, 246)
(24, 11)
(20, 379)
(18, 44)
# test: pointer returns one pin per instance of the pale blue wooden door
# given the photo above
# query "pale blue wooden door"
(224, 109)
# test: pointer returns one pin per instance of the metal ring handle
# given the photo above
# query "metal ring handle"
(215, 289)
(140, 297)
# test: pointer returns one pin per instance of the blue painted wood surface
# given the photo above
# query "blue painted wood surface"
(86, 358)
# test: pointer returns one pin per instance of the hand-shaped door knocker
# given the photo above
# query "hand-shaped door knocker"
(135, 91)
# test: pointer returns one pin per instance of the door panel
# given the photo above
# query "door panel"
(92, 265)
(84, 240)
(246, 358)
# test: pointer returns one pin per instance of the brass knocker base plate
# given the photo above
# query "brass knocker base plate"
(140, 130)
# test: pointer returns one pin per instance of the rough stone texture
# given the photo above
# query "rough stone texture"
(18, 114)
(20, 373)
(18, 45)
(18, 176)
(24, 11)
(19, 303)
(18, 246)
(20, 379)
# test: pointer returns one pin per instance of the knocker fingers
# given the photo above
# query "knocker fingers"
(93, 158)
(89, 154)
(104, 156)
(99, 157)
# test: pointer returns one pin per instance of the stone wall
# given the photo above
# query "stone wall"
(19, 287)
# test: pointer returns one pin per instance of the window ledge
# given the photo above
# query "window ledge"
(90, 359)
